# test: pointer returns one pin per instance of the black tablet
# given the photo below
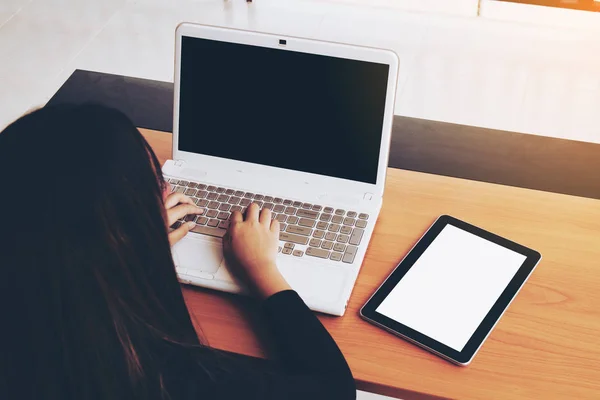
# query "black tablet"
(450, 290)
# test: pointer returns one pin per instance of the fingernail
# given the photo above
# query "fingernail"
(191, 224)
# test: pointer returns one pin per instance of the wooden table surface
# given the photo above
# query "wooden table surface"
(547, 344)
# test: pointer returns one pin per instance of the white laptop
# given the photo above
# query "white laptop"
(299, 126)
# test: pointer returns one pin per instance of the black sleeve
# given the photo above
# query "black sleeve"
(311, 364)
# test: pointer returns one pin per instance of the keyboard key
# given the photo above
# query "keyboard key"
(317, 208)
(327, 245)
(330, 236)
(269, 206)
(325, 217)
(174, 181)
(351, 214)
(212, 196)
(244, 202)
(287, 202)
(306, 206)
(339, 211)
(282, 229)
(259, 197)
(337, 219)
(307, 222)
(287, 251)
(224, 207)
(277, 200)
(350, 254)
(339, 247)
(205, 230)
(363, 216)
(279, 208)
(211, 188)
(202, 203)
(190, 217)
(336, 256)
(313, 252)
(322, 225)
(202, 221)
(346, 230)
(356, 236)
(239, 193)
(288, 246)
(349, 221)
(229, 192)
(201, 194)
(236, 208)
(343, 238)
(290, 237)
(334, 228)
(314, 243)
(297, 204)
(234, 200)
(213, 205)
(201, 187)
(361, 223)
(223, 224)
(193, 185)
(319, 234)
(223, 198)
(328, 210)
(183, 183)
(281, 217)
(249, 195)
(220, 190)
(179, 189)
(292, 220)
(307, 214)
(212, 213)
(299, 230)
(290, 211)
(268, 199)
(298, 253)
(213, 222)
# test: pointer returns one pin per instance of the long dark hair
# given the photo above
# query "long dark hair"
(90, 303)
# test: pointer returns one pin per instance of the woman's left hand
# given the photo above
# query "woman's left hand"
(178, 206)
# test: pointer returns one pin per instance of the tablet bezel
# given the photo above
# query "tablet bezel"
(465, 356)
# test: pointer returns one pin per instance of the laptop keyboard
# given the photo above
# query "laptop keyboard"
(306, 230)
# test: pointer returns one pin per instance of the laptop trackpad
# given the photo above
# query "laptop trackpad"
(198, 254)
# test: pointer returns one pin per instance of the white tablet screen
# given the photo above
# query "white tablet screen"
(452, 286)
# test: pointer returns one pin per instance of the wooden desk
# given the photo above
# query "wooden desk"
(547, 344)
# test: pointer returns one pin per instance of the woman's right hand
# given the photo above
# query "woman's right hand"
(251, 244)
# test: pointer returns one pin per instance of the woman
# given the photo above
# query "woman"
(89, 298)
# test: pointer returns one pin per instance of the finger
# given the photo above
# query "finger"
(179, 233)
(181, 211)
(175, 198)
(236, 217)
(252, 212)
(265, 216)
(274, 226)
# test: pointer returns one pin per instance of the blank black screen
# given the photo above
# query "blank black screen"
(281, 108)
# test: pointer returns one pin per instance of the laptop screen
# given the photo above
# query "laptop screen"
(280, 108)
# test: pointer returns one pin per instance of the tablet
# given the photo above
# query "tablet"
(450, 290)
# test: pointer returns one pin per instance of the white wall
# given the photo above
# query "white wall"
(456, 68)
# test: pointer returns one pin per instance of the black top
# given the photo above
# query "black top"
(311, 365)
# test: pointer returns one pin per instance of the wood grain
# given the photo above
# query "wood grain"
(547, 344)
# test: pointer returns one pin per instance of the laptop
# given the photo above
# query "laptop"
(298, 126)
